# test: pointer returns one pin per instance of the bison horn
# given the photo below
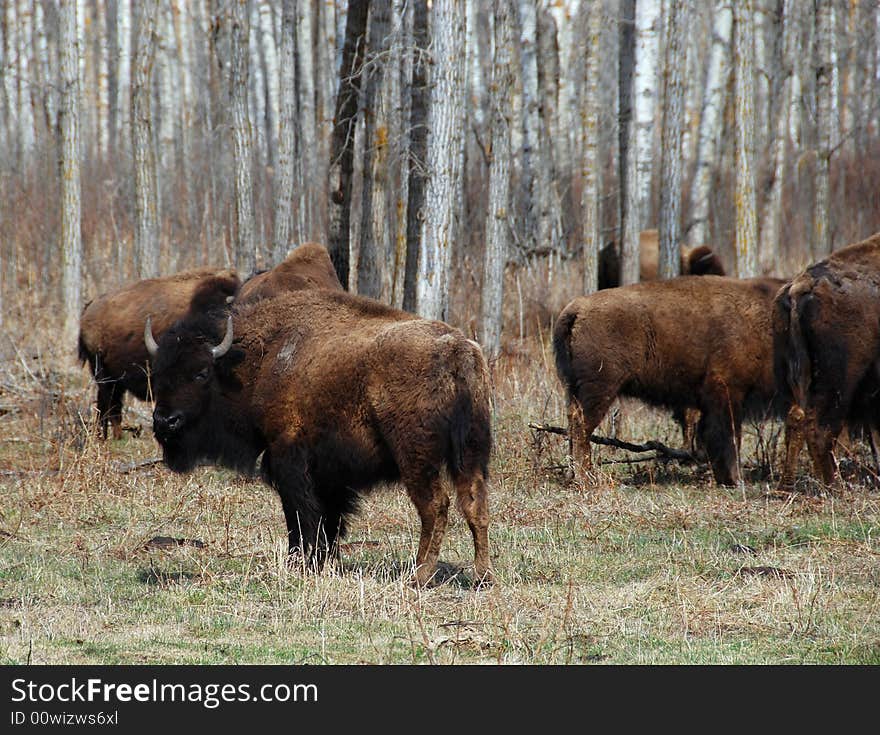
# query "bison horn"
(223, 347)
(149, 340)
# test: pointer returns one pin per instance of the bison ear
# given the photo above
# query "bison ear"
(224, 368)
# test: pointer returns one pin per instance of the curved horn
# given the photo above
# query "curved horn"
(149, 340)
(223, 347)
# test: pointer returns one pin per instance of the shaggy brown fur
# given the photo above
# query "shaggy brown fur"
(111, 337)
(338, 393)
(307, 266)
(698, 261)
(826, 327)
(691, 342)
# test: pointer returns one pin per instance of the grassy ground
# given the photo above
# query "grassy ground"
(653, 565)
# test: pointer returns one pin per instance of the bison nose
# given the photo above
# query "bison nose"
(167, 422)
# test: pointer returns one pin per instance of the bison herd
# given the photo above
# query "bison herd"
(328, 394)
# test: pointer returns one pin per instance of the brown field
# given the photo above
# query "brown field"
(106, 560)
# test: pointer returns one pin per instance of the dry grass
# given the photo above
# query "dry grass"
(657, 565)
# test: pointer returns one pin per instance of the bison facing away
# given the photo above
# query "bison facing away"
(338, 393)
(826, 328)
(112, 328)
(689, 343)
(698, 261)
(306, 266)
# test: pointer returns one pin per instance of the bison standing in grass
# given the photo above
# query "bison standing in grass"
(688, 343)
(306, 266)
(337, 393)
(112, 327)
(826, 327)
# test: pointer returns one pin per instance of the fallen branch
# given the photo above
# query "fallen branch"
(663, 452)
(124, 469)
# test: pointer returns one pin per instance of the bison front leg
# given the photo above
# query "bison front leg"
(432, 503)
(110, 408)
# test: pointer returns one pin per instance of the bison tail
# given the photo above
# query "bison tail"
(798, 362)
(470, 422)
(562, 349)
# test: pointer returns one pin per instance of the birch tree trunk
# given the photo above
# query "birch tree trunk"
(547, 194)
(342, 149)
(669, 265)
(242, 139)
(647, 32)
(498, 214)
(710, 124)
(746, 217)
(592, 170)
(528, 207)
(284, 172)
(309, 181)
(123, 70)
(445, 147)
(146, 227)
(71, 242)
(630, 220)
(417, 152)
(822, 208)
(374, 250)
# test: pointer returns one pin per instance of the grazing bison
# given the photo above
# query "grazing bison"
(688, 343)
(307, 266)
(698, 261)
(826, 338)
(338, 393)
(112, 328)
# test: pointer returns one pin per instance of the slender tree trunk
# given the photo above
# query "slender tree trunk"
(824, 91)
(547, 193)
(342, 149)
(669, 264)
(71, 240)
(746, 218)
(242, 138)
(592, 169)
(445, 147)
(146, 230)
(418, 152)
(645, 74)
(711, 122)
(630, 220)
(497, 220)
(528, 205)
(373, 262)
(308, 132)
(123, 70)
(284, 215)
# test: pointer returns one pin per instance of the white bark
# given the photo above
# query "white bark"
(591, 174)
(102, 112)
(71, 242)
(284, 174)
(528, 205)
(746, 217)
(710, 124)
(23, 77)
(146, 229)
(444, 161)
(628, 165)
(310, 182)
(123, 71)
(498, 214)
(824, 93)
(645, 80)
(669, 225)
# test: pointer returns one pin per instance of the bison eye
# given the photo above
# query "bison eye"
(201, 375)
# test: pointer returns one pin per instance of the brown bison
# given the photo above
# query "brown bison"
(112, 327)
(338, 393)
(307, 266)
(826, 337)
(698, 261)
(688, 343)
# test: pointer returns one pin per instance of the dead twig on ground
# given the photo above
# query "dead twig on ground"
(663, 452)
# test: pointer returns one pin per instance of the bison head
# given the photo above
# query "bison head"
(187, 366)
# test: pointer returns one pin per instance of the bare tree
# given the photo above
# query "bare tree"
(746, 217)
(342, 148)
(497, 219)
(284, 223)
(146, 231)
(592, 170)
(645, 80)
(630, 221)
(444, 158)
(669, 264)
(309, 180)
(68, 120)
(824, 92)
(242, 139)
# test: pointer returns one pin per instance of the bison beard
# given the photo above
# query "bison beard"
(692, 342)
(336, 394)
(826, 340)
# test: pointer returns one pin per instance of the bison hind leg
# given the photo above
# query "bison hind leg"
(472, 500)
(431, 498)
